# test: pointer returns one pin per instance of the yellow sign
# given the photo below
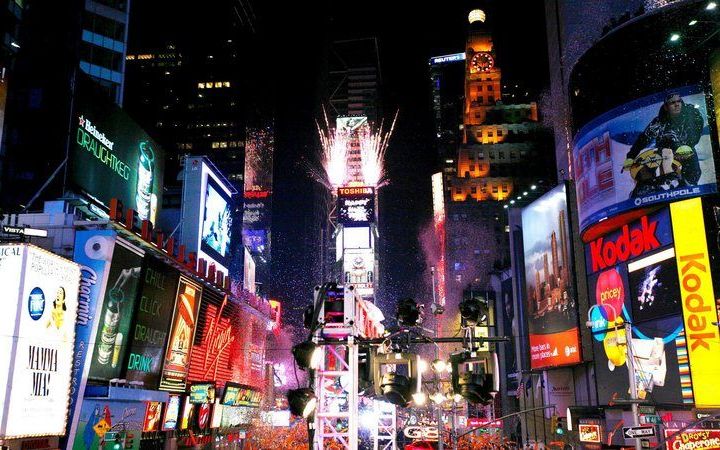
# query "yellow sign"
(698, 300)
(589, 433)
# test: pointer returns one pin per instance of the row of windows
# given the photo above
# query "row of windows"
(493, 155)
(101, 57)
(214, 84)
(490, 87)
(104, 26)
(185, 146)
(226, 144)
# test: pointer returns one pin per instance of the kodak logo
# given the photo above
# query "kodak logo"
(695, 306)
(629, 244)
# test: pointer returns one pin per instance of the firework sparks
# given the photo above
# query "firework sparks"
(334, 155)
(373, 145)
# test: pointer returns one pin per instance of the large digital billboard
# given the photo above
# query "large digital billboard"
(258, 187)
(356, 206)
(149, 333)
(633, 276)
(207, 213)
(40, 292)
(117, 312)
(112, 157)
(182, 333)
(549, 282)
(653, 150)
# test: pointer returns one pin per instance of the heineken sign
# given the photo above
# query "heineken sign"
(112, 157)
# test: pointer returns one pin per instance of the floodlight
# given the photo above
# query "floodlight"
(307, 355)
(302, 401)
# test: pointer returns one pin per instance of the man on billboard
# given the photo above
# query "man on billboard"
(674, 161)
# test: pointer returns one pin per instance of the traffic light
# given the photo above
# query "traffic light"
(408, 312)
(554, 423)
(560, 426)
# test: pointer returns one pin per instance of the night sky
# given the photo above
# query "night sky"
(285, 47)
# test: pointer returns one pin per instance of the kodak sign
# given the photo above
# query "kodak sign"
(630, 243)
(698, 300)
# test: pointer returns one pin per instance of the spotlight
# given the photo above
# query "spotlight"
(439, 366)
(408, 313)
(307, 355)
(395, 388)
(476, 387)
(711, 6)
(422, 366)
(533, 187)
(302, 402)
(419, 398)
(505, 206)
(693, 22)
(674, 37)
(473, 311)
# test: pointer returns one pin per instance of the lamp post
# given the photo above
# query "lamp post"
(630, 358)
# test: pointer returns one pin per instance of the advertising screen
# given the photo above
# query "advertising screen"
(549, 282)
(632, 274)
(202, 393)
(653, 150)
(692, 439)
(359, 270)
(111, 156)
(356, 206)
(172, 412)
(217, 220)
(216, 343)
(257, 217)
(117, 312)
(182, 333)
(153, 413)
(44, 303)
(700, 315)
(239, 395)
(99, 416)
(152, 321)
(93, 251)
(207, 213)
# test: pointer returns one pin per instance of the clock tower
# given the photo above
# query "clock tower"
(482, 77)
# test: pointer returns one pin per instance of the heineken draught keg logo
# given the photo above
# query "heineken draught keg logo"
(94, 141)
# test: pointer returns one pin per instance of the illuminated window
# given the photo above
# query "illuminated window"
(490, 134)
(130, 57)
(218, 84)
(495, 188)
(208, 84)
(223, 145)
(499, 133)
(226, 84)
(201, 85)
(504, 187)
(215, 145)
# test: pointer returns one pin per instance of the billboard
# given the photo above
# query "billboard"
(111, 156)
(149, 333)
(172, 412)
(692, 439)
(653, 150)
(632, 274)
(93, 251)
(438, 202)
(117, 311)
(216, 344)
(153, 413)
(207, 213)
(239, 395)
(356, 206)
(699, 310)
(41, 300)
(549, 282)
(182, 333)
(359, 270)
(258, 186)
(99, 416)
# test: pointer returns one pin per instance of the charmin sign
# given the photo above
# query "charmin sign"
(698, 300)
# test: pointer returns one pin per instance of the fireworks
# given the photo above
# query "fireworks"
(353, 152)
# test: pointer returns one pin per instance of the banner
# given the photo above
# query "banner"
(182, 333)
(698, 300)
(93, 251)
(149, 334)
(549, 282)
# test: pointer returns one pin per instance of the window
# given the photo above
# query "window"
(472, 167)
(501, 155)
(490, 87)
(504, 187)
(473, 190)
(471, 157)
(490, 134)
(495, 188)
(480, 99)
(479, 88)
(499, 132)
(458, 190)
(513, 155)
(491, 99)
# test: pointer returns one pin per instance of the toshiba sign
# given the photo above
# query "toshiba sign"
(698, 300)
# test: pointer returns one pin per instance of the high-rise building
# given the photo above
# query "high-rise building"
(54, 45)
(500, 139)
(447, 75)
